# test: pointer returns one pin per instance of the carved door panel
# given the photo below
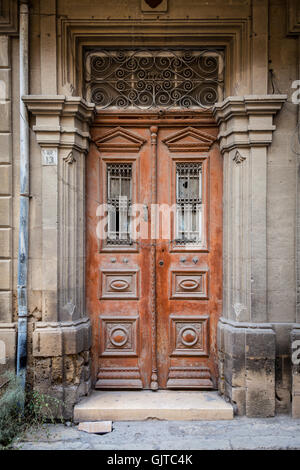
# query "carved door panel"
(189, 266)
(118, 287)
(154, 302)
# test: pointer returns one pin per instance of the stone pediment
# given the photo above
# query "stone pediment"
(121, 140)
(189, 139)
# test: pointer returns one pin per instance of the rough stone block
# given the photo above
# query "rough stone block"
(238, 399)
(42, 375)
(5, 211)
(7, 346)
(5, 85)
(234, 341)
(260, 343)
(95, 427)
(5, 148)
(296, 406)
(5, 242)
(249, 370)
(5, 178)
(295, 354)
(5, 274)
(283, 384)
(47, 342)
(5, 116)
(220, 337)
(57, 370)
(260, 388)
(234, 370)
(5, 307)
(4, 51)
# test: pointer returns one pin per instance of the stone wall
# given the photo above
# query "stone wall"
(260, 318)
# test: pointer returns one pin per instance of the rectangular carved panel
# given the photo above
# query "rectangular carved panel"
(118, 336)
(189, 285)
(119, 284)
(119, 377)
(189, 378)
(8, 16)
(189, 335)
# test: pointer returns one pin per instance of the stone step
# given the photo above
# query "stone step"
(144, 404)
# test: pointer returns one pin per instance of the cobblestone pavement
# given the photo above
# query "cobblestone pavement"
(280, 432)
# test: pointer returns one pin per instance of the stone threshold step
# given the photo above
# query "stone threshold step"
(144, 404)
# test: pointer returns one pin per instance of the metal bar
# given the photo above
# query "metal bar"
(24, 198)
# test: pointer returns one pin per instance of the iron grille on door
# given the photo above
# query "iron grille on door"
(189, 203)
(119, 181)
(148, 79)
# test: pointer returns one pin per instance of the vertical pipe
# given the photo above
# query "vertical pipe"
(24, 198)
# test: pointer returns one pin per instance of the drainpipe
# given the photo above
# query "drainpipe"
(24, 198)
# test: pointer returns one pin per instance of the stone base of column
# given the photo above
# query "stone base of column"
(8, 339)
(61, 362)
(295, 351)
(247, 367)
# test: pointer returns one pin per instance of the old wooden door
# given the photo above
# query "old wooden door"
(154, 251)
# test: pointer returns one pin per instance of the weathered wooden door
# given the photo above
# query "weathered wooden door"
(154, 251)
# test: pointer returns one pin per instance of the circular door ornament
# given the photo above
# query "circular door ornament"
(118, 336)
(189, 284)
(119, 284)
(189, 336)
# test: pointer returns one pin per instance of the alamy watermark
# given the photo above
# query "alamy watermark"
(296, 352)
(296, 94)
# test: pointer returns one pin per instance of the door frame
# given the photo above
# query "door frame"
(155, 120)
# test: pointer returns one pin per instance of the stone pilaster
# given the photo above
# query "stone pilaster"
(246, 339)
(7, 326)
(61, 340)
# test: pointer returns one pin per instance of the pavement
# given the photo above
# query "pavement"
(281, 432)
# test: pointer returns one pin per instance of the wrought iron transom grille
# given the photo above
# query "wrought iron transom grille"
(189, 203)
(147, 79)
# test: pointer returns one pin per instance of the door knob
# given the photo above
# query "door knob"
(161, 263)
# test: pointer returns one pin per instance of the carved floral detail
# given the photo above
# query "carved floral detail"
(238, 158)
(70, 158)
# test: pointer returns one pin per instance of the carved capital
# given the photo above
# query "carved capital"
(247, 121)
(69, 124)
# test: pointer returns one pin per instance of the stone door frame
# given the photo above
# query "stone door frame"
(246, 127)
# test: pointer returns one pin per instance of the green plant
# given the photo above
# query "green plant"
(15, 421)
(11, 420)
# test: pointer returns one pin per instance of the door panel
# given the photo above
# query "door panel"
(154, 303)
(189, 268)
(118, 291)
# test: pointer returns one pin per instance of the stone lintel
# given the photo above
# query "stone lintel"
(51, 339)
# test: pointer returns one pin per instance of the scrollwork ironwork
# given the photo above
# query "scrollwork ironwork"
(147, 79)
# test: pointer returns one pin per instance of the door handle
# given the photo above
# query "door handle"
(161, 263)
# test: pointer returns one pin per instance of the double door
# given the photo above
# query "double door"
(154, 254)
